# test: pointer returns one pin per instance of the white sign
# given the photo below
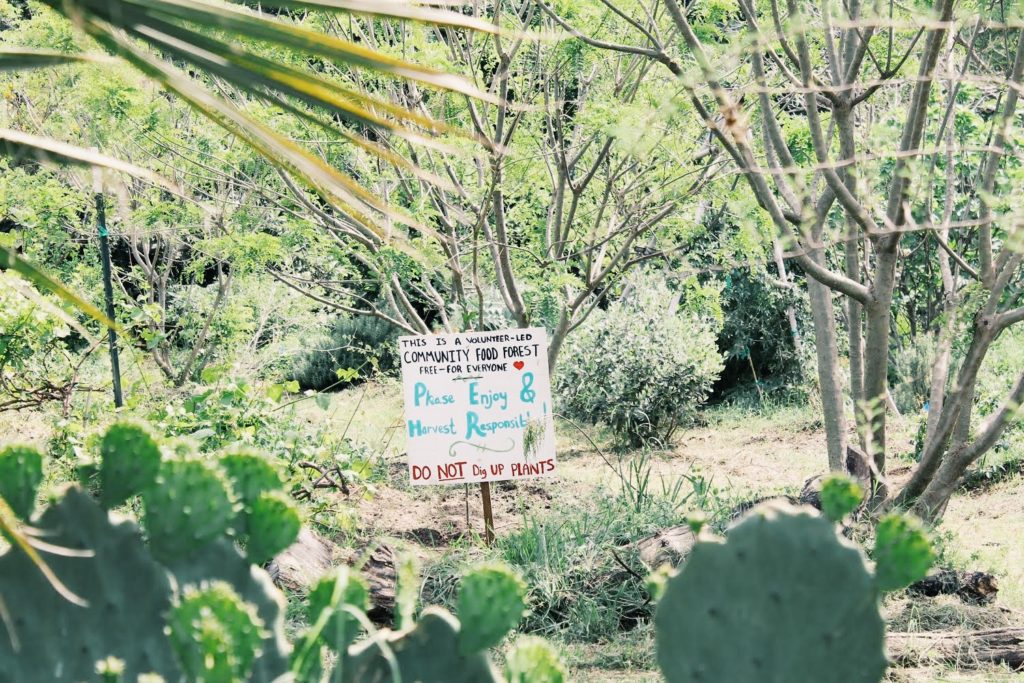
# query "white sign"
(477, 406)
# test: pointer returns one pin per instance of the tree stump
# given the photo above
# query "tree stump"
(382, 577)
(670, 545)
(303, 562)
(978, 588)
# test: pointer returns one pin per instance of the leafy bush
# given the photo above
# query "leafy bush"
(37, 359)
(350, 342)
(757, 340)
(638, 367)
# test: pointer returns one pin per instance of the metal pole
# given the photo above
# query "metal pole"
(108, 295)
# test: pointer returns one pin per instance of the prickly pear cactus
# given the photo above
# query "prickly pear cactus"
(188, 507)
(250, 476)
(427, 653)
(492, 601)
(534, 661)
(784, 599)
(215, 635)
(221, 561)
(51, 639)
(273, 525)
(21, 472)
(129, 462)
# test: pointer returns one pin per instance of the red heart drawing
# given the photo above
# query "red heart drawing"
(518, 365)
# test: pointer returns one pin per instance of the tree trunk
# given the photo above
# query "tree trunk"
(876, 351)
(828, 370)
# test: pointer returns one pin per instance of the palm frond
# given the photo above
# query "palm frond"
(14, 58)
(11, 530)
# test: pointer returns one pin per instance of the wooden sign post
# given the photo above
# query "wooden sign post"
(478, 409)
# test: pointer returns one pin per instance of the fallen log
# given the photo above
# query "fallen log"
(974, 587)
(670, 545)
(962, 648)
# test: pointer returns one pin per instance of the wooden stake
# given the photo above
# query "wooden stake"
(485, 495)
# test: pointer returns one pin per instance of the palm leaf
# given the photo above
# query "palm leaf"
(12, 58)
(171, 27)
(11, 261)
(12, 531)
(24, 146)
(395, 10)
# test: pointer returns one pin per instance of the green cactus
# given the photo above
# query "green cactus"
(491, 603)
(189, 507)
(129, 463)
(21, 472)
(215, 635)
(250, 475)
(427, 653)
(784, 599)
(839, 496)
(534, 661)
(274, 524)
(902, 552)
(221, 561)
(54, 640)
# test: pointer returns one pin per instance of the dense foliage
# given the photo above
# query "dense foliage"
(643, 366)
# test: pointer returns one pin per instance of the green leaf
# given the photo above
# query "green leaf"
(491, 603)
(291, 386)
(12, 58)
(903, 553)
(323, 401)
(347, 374)
(275, 392)
(10, 260)
(20, 146)
(840, 496)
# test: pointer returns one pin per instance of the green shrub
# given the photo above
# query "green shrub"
(638, 367)
(359, 343)
(762, 359)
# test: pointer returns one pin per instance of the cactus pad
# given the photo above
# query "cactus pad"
(127, 592)
(783, 600)
(215, 635)
(534, 660)
(187, 508)
(491, 603)
(273, 525)
(130, 460)
(221, 561)
(21, 472)
(250, 475)
(331, 594)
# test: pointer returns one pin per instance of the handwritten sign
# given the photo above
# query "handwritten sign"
(477, 406)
